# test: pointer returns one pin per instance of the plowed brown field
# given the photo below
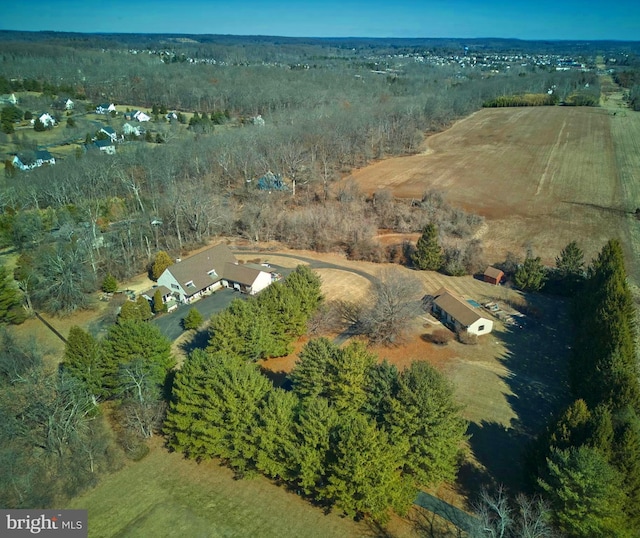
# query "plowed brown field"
(540, 176)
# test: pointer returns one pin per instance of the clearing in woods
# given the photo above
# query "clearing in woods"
(541, 177)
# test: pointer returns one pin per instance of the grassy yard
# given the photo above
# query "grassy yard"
(165, 495)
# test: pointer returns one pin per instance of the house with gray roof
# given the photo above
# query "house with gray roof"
(459, 314)
(209, 270)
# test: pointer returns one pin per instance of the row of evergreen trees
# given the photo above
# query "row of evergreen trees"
(351, 434)
(589, 460)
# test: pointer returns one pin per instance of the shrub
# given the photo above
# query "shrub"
(109, 284)
(440, 337)
(467, 338)
(192, 320)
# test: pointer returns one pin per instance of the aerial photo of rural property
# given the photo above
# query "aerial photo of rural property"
(320, 269)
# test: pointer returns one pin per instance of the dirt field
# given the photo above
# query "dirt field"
(540, 176)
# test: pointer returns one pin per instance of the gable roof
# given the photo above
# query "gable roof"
(492, 272)
(456, 307)
(197, 268)
(103, 143)
(44, 155)
(108, 129)
(241, 273)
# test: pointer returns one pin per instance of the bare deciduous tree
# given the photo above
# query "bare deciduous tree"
(394, 304)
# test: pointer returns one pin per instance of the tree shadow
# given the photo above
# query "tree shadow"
(537, 378)
(279, 379)
(430, 525)
(200, 340)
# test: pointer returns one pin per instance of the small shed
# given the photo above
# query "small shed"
(493, 275)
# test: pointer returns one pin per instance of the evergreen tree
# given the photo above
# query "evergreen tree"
(129, 312)
(134, 339)
(109, 284)
(601, 435)
(570, 268)
(626, 458)
(365, 475)
(585, 493)
(242, 330)
(310, 377)
(276, 436)
(159, 307)
(11, 310)
(382, 388)
(287, 320)
(82, 360)
(192, 320)
(138, 310)
(160, 263)
(428, 255)
(305, 286)
(347, 377)
(572, 428)
(531, 275)
(425, 417)
(214, 412)
(314, 427)
(144, 308)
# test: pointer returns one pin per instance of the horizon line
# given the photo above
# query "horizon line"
(353, 37)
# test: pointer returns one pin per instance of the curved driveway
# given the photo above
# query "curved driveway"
(314, 264)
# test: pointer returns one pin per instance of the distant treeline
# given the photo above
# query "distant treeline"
(630, 79)
(485, 45)
(529, 99)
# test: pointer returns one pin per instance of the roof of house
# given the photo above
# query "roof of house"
(108, 129)
(103, 143)
(241, 273)
(198, 268)
(44, 155)
(152, 291)
(456, 307)
(493, 272)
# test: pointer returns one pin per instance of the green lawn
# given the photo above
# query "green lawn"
(166, 496)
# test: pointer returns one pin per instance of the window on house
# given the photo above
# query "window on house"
(190, 284)
(481, 328)
(175, 286)
(212, 273)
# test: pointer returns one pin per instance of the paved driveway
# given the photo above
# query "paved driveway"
(171, 324)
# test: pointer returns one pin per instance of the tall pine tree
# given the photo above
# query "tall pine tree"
(428, 255)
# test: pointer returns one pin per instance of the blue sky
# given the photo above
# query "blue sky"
(543, 19)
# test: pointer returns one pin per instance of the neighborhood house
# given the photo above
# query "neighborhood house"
(63, 103)
(110, 132)
(106, 146)
(105, 108)
(137, 115)
(35, 159)
(46, 119)
(459, 314)
(205, 272)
